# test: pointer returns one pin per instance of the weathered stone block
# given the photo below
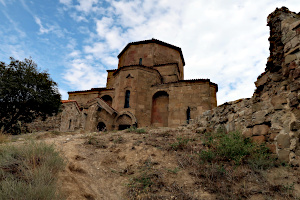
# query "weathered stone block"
(278, 102)
(262, 129)
(259, 139)
(272, 136)
(290, 58)
(295, 126)
(272, 147)
(261, 80)
(294, 143)
(283, 155)
(259, 117)
(283, 141)
(247, 133)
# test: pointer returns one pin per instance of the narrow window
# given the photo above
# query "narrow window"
(70, 122)
(188, 115)
(140, 62)
(127, 96)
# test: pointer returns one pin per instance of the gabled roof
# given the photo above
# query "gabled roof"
(103, 105)
(72, 101)
(154, 41)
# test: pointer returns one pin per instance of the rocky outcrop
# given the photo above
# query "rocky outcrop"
(272, 115)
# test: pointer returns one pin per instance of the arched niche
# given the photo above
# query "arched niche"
(107, 99)
(160, 109)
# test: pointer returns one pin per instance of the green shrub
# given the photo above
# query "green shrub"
(207, 155)
(180, 144)
(261, 158)
(233, 147)
(29, 171)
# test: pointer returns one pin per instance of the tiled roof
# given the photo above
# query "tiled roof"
(70, 101)
(91, 90)
(67, 101)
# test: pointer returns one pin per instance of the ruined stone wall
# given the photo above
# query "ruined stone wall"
(50, 124)
(272, 115)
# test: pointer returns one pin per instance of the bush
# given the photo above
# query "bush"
(180, 144)
(29, 171)
(233, 147)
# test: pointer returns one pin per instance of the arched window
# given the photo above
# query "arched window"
(127, 97)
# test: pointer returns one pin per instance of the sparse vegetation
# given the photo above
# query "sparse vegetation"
(135, 130)
(29, 171)
(96, 142)
(180, 143)
(233, 147)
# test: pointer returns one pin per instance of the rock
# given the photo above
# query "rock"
(247, 133)
(278, 102)
(283, 155)
(295, 126)
(262, 129)
(293, 144)
(283, 141)
(272, 136)
(201, 130)
(293, 98)
(272, 147)
(259, 117)
(259, 139)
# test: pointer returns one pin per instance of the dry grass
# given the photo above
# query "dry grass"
(29, 171)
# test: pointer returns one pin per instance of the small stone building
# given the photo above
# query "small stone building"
(147, 89)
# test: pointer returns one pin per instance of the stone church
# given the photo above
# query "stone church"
(147, 89)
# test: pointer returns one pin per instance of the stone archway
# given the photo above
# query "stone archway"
(101, 126)
(160, 109)
(107, 99)
(124, 121)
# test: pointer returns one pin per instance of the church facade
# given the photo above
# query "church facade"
(147, 89)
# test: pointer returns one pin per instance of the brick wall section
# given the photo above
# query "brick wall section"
(272, 115)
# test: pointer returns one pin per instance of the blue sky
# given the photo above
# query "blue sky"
(76, 41)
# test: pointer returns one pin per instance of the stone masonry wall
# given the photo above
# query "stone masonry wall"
(272, 115)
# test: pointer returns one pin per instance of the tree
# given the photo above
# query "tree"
(25, 94)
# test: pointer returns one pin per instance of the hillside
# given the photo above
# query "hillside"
(161, 164)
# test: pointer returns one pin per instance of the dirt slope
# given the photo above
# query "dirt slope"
(153, 165)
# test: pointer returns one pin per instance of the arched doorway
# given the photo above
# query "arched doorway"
(107, 99)
(160, 109)
(124, 121)
(101, 126)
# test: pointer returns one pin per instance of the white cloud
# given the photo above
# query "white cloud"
(64, 93)
(66, 2)
(86, 5)
(83, 76)
(45, 29)
(42, 28)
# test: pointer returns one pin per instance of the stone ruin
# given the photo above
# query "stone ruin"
(272, 114)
